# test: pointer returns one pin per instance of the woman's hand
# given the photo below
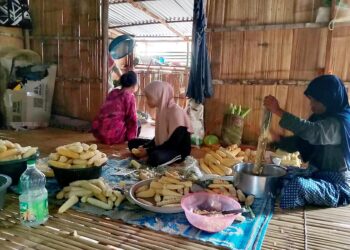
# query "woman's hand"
(275, 137)
(143, 152)
(139, 152)
(271, 104)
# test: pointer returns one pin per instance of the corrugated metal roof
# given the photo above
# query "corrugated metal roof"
(184, 28)
(148, 30)
(125, 13)
(170, 9)
(177, 12)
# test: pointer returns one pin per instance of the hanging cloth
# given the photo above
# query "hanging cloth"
(200, 82)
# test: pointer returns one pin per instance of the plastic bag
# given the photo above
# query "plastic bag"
(189, 169)
(192, 170)
(195, 112)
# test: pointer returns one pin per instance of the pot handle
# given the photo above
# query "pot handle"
(208, 177)
(8, 181)
(235, 179)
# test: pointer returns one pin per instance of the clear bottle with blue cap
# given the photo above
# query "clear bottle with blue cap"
(33, 202)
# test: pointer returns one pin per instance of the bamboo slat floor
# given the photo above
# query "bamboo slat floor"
(296, 229)
(74, 230)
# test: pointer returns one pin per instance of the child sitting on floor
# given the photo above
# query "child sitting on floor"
(172, 140)
(323, 140)
(117, 120)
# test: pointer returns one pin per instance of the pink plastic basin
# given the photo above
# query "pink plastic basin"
(209, 202)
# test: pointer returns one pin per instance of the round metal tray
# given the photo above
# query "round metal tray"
(164, 210)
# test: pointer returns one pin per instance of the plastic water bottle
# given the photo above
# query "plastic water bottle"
(33, 203)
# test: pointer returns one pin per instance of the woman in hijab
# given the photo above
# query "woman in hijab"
(172, 142)
(117, 119)
(323, 141)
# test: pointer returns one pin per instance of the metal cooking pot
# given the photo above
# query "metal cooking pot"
(258, 185)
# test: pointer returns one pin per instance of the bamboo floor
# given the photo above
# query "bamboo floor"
(310, 228)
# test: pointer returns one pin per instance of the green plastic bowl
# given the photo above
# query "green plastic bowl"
(15, 168)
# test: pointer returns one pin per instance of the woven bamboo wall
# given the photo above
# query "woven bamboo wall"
(291, 98)
(179, 81)
(68, 33)
(340, 52)
(237, 12)
(251, 96)
(270, 54)
(261, 47)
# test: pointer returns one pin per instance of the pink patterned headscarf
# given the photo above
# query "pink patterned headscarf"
(169, 115)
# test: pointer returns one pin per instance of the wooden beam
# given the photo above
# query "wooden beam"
(261, 82)
(267, 27)
(188, 38)
(186, 20)
(188, 54)
(143, 8)
(68, 38)
(143, 40)
(10, 35)
(156, 67)
(104, 24)
(112, 2)
(327, 68)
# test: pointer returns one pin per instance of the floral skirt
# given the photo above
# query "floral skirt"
(329, 189)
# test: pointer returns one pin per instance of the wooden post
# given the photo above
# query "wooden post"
(327, 68)
(26, 39)
(130, 61)
(188, 54)
(104, 9)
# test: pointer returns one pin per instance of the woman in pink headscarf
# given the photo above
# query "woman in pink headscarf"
(172, 140)
(117, 120)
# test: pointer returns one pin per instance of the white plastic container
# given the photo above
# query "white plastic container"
(31, 106)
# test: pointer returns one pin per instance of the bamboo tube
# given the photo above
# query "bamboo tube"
(296, 241)
(11, 245)
(108, 237)
(327, 242)
(125, 227)
(335, 231)
(291, 222)
(41, 240)
(318, 246)
(117, 231)
(117, 241)
(8, 246)
(88, 244)
(60, 241)
(291, 233)
(337, 236)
